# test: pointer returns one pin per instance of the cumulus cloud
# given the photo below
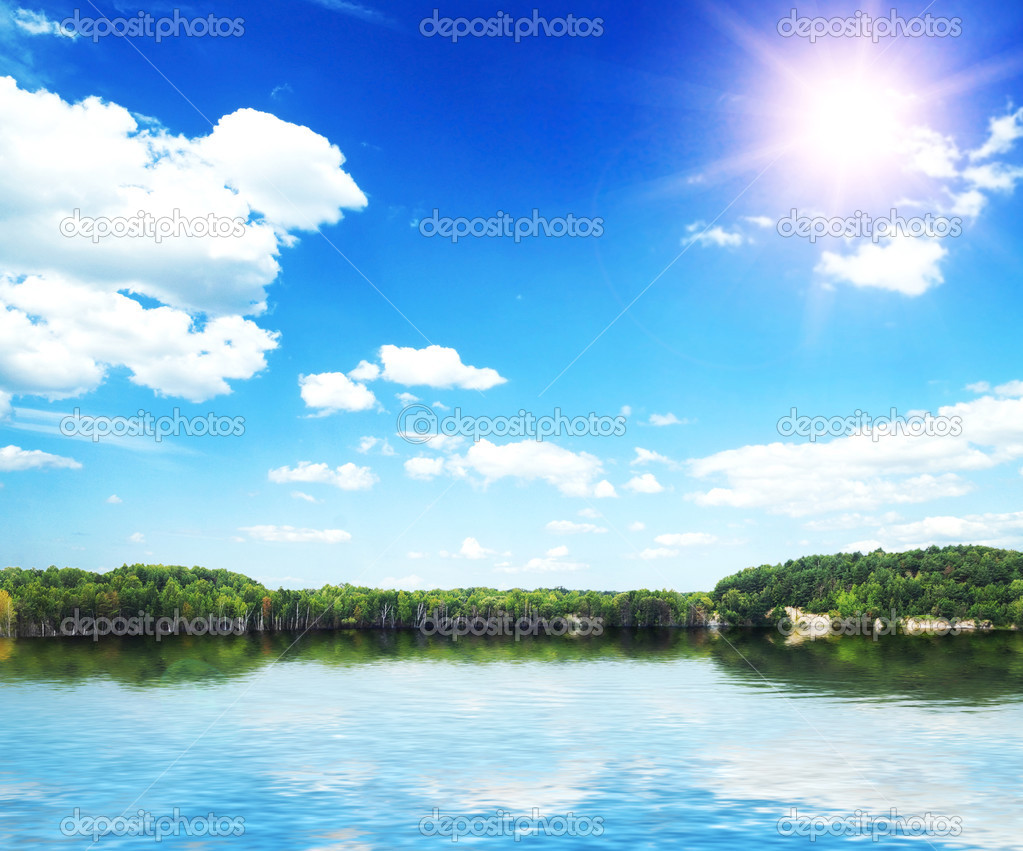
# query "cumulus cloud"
(348, 477)
(857, 473)
(68, 304)
(434, 366)
(473, 550)
(334, 391)
(114, 499)
(666, 420)
(906, 265)
(424, 467)
(637, 526)
(993, 530)
(367, 444)
(293, 535)
(645, 483)
(1003, 131)
(648, 456)
(572, 473)
(15, 459)
(553, 560)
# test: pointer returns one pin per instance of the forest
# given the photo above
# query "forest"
(956, 582)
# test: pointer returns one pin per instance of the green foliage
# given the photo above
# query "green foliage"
(963, 582)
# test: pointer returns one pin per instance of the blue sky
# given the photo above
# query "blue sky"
(330, 130)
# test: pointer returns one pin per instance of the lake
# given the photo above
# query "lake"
(648, 739)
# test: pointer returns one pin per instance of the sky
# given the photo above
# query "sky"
(672, 256)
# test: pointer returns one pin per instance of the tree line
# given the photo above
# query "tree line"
(964, 582)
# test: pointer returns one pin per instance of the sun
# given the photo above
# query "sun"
(850, 123)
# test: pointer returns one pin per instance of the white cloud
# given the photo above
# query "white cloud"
(335, 391)
(66, 309)
(59, 338)
(572, 473)
(699, 233)
(36, 23)
(647, 456)
(568, 527)
(931, 153)
(434, 366)
(347, 477)
(591, 513)
(905, 265)
(473, 550)
(303, 496)
(978, 387)
(366, 444)
(114, 499)
(292, 535)
(646, 483)
(137, 538)
(16, 459)
(413, 554)
(626, 411)
(857, 473)
(604, 490)
(1002, 135)
(686, 539)
(365, 371)
(406, 398)
(552, 561)
(760, 221)
(5, 405)
(666, 420)
(994, 530)
(424, 467)
(657, 552)
(637, 526)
